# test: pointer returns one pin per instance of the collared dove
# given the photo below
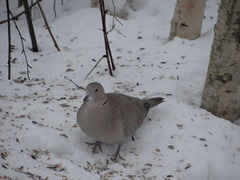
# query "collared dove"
(112, 118)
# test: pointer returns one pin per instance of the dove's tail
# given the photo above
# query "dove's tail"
(155, 101)
(150, 103)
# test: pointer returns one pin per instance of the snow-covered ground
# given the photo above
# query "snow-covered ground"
(39, 138)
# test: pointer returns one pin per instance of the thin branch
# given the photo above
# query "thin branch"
(113, 26)
(95, 66)
(47, 26)
(114, 17)
(9, 40)
(103, 17)
(110, 62)
(110, 54)
(118, 20)
(79, 87)
(120, 33)
(18, 15)
(54, 8)
(23, 49)
(114, 14)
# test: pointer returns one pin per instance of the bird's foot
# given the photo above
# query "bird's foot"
(117, 154)
(116, 158)
(95, 145)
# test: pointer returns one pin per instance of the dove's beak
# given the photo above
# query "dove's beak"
(86, 98)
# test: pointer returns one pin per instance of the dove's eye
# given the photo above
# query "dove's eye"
(96, 90)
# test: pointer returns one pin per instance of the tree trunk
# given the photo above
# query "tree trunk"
(30, 26)
(221, 94)
(187, 19)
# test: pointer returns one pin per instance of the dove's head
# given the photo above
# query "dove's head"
(94, 90)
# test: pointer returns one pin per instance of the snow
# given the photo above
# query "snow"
(39, 138)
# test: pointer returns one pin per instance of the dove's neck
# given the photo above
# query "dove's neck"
(99, 99)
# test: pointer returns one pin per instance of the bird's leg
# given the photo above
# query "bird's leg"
(117, 154)
(95, 145)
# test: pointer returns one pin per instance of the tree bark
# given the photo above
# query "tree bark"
(187, 19)
(30, 26)
(221, 94)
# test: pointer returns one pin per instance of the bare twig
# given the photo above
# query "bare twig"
(118, 20)
(9, 40)
(95, 66)
(79, 87)
(113, 27)
(54, 8)
(23, 49)
(114, 18)
(47, 26)
(114, 15)
(120, 33)
(108, 54)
